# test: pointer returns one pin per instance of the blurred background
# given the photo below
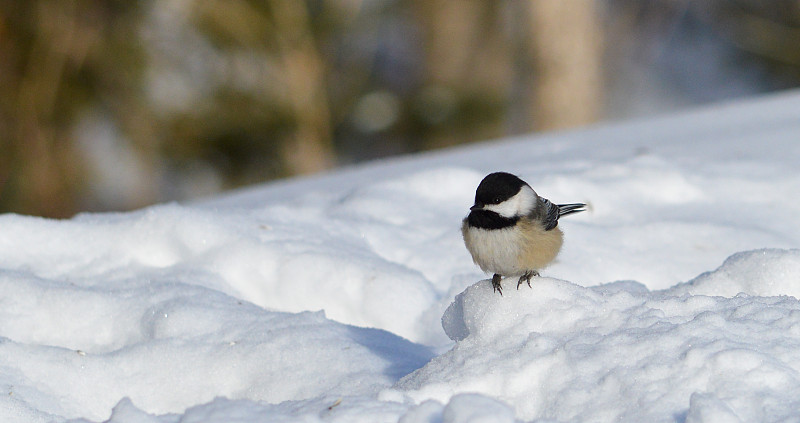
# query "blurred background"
(113, 105)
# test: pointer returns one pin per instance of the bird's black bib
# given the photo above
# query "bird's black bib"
(486, 219)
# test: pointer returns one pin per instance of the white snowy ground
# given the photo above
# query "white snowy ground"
(330, 298)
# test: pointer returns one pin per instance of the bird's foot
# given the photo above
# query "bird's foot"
(527, 277)
(496, 284)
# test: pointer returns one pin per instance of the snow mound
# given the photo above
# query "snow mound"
(168, 346)
(765, 272)
(620, 352)
(290, 259)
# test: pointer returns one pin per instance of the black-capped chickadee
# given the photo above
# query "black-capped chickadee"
(511, 231)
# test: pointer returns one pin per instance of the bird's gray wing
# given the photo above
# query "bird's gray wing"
(549, 214)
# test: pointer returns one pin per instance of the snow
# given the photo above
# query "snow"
(571, 353)
(349, 297)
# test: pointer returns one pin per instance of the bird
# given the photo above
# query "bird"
(512, 231)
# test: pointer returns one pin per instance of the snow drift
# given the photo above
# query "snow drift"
(620, 352)
(350, 297)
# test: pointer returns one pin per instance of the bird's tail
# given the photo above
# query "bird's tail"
(567, 209)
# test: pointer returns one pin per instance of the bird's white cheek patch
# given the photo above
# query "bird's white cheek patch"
(520, 204)
(506, 208)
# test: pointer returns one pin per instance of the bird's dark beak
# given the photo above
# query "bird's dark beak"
(476, 206)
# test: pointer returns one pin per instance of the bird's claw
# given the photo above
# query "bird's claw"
(496, 284)
(527, 278)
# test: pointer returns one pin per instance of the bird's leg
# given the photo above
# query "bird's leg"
(527, 277)
(496, 284)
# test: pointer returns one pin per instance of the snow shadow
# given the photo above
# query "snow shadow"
(401, 355)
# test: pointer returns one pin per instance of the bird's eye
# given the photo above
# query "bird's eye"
(496, 200)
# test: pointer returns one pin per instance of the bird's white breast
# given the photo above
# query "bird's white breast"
(494, 250)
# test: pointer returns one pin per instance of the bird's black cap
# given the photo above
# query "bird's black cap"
(496, 188)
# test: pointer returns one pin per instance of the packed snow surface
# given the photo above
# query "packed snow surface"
(350, 297)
